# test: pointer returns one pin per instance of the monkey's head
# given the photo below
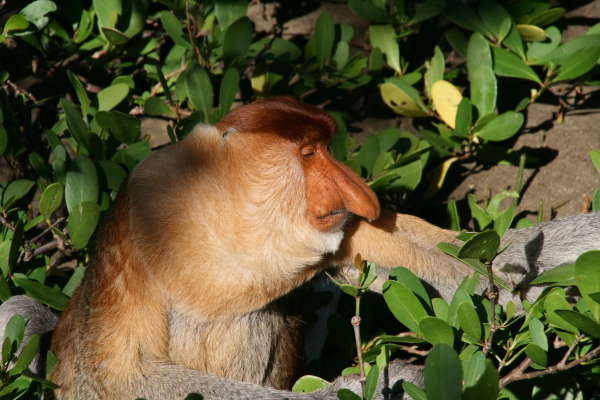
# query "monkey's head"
(332, 189)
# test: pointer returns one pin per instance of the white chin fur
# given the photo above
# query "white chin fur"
(329, 242)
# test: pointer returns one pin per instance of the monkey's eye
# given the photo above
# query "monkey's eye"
(307, 152)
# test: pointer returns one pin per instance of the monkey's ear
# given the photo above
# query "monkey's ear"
(226, 132)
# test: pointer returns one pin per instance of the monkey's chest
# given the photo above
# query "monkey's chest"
(265, 347)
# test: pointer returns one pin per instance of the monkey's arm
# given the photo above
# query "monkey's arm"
(401, 240)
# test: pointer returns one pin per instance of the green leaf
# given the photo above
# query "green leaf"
(436, 330)
(40, 166)
(483, 89)
(229, 88)
(111, 174)
(74, 281)
(514, 41)
(567, 50)
(384, 37)
(435, 71)
(415, 392)
(115, 36)
(27, 355)
(281, 50)
(496, 19)
(42, 293)
(464, 117)
(14, 190)
(76, 124)
(462, 16)
(16, 22)
(36, 12)
(324, 36)
(110, 97)
(236, 40)
(596, 200)
(15, 329)
(309, 383)
(587, 268)
(503, 127)
(347, 394)
(405, 306)
(5, 292)
(458, 41)
(125, 128)
(538, 355)
(473, 367)
(82, 223)
(595, 156)
(51, 199)
(581, 62)
(487, 385)
(556, 274)
(199, 88)
(538, 337)
(15, 245)
(229, 11)
(174, 29)
(478, 53)
(3, 139)
(553, 303)
(508, 64)
(453, 214)
(371, 384)
(547, 17)
(538, 50)
(427, 10)
(469, 320)
(580, 321)
(443, 374)
(412, 282)
(368, 10)
(156, 107)
(349, 289)
(503, 221)
(483, 246)
(368, 153)
(82, 182)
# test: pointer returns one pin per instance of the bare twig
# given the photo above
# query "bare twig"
(268, 46)
(6, 223)
(518, 375)
(492, 294)
(356, 324)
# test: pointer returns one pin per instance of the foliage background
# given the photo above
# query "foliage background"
(84, 83)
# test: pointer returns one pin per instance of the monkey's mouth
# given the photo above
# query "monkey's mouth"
(334, 218)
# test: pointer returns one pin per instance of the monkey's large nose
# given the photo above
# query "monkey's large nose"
(356, 195)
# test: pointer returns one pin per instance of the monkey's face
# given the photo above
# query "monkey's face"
(332, 190)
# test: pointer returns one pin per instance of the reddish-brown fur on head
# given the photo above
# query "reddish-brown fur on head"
(332, 189)
(284, 117)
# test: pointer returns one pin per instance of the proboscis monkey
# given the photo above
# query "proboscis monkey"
(191, 283)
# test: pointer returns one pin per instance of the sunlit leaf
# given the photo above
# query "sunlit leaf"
(384, 37)
(446, 98)
(399, 101)
(483, 89)
(531, 33)
(503, 127)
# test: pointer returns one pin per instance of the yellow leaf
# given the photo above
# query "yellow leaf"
(400, 102)
(260, 81)
(437, 176)
(446, 98)
(358, 262)
(532, 33)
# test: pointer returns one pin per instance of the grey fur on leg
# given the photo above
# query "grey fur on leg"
(39, 320)
(545, 246)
